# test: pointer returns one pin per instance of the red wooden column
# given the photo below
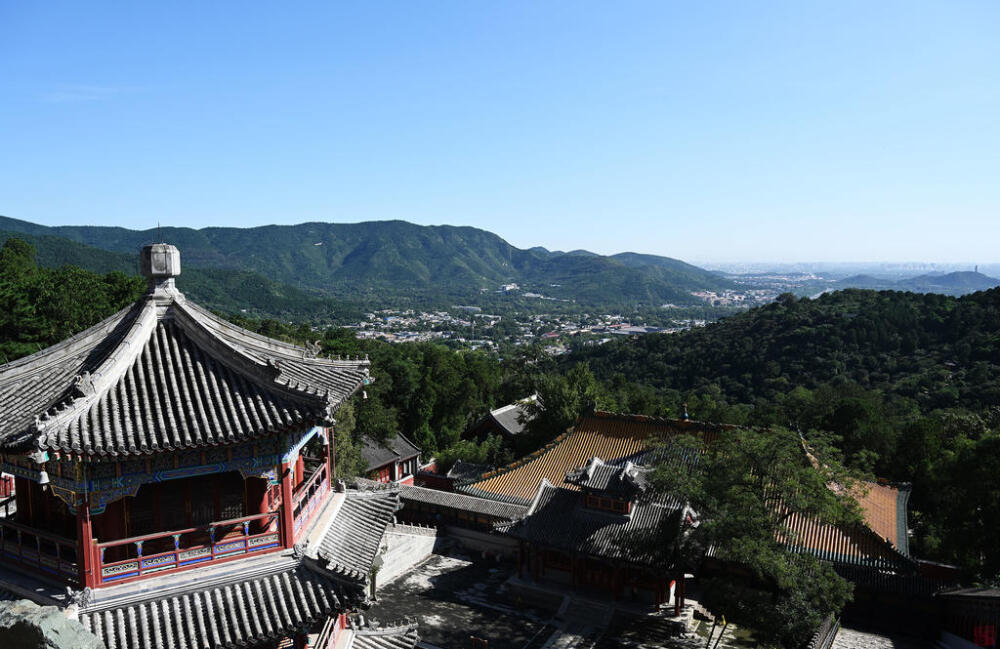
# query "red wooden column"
(520, 559)
(300, 469)
(326, 456)
(84, 546)
(287, 506)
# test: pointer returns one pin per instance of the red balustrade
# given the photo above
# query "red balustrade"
(309, 497)
(6, 485)
(54, 555)
(215, 542)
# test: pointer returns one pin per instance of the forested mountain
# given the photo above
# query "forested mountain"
(909, 382)
(386, 258)
(222, 289)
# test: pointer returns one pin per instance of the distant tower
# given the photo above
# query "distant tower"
(977, 268)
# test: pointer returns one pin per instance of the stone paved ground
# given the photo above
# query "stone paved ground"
(451, 595)
(858, 639)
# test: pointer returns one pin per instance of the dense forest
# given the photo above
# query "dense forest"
(41, 306)
(908, 384)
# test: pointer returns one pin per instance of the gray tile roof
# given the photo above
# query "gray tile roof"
(513, 417)
(237, 614)
(165, 375)
(466, 471)
(393, 637)
(396, 449)
(452, 500)
(558, 518)
(351, 542)
(624, 481)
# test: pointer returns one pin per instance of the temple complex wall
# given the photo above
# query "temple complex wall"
(479, 542)
(406, 546)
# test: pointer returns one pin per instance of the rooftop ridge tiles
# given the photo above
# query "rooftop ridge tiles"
(253, 339)
(266, 373)
(107, 326)
(85, 389)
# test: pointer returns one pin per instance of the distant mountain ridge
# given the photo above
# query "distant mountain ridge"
(956, 283)
(226, 290)
(363, 261)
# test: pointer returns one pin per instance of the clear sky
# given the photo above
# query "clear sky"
(708, 131)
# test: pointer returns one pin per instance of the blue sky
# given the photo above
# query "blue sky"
(714, 131)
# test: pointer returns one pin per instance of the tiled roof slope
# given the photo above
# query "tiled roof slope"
(377, 454)
(558, 518)
(394, 637)
(623, 481)
(352, 540)
(884, 507)
(464, 471)
(609, 436)
(238, 614)
(853, 545)
(451, 500)
(510, 417)
(165, 375)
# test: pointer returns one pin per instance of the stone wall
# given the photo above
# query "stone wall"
(483, 542)
(406, 546)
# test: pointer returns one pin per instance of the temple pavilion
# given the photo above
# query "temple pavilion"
(173, 480)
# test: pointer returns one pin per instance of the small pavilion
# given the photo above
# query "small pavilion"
(173, 480)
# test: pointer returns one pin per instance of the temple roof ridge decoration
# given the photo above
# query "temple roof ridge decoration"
(164, 375)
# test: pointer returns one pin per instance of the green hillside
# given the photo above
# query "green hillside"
(910, 384)
(220, 289)
(390, 259)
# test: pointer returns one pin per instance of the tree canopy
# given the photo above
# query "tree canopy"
(42, 306)
(745, 486)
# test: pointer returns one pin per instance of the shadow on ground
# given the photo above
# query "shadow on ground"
(453, 598)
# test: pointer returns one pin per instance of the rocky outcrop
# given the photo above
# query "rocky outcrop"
(26, 625)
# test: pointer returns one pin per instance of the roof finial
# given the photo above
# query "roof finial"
(161, 263)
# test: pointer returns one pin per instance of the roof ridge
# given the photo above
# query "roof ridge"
(260, 342)
(265, 373)
(89, 387)
(8, 370)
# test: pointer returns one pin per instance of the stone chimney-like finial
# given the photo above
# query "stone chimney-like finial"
(161, 263)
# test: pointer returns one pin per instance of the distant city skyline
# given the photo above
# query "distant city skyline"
(723, 133)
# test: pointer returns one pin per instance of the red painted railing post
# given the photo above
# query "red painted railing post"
(84, 540)
(287, 506)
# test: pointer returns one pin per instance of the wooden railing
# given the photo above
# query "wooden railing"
(52, 554)
(217, 541)
(309, 496)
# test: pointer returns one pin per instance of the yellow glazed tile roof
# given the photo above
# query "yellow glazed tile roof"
(609, 436)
